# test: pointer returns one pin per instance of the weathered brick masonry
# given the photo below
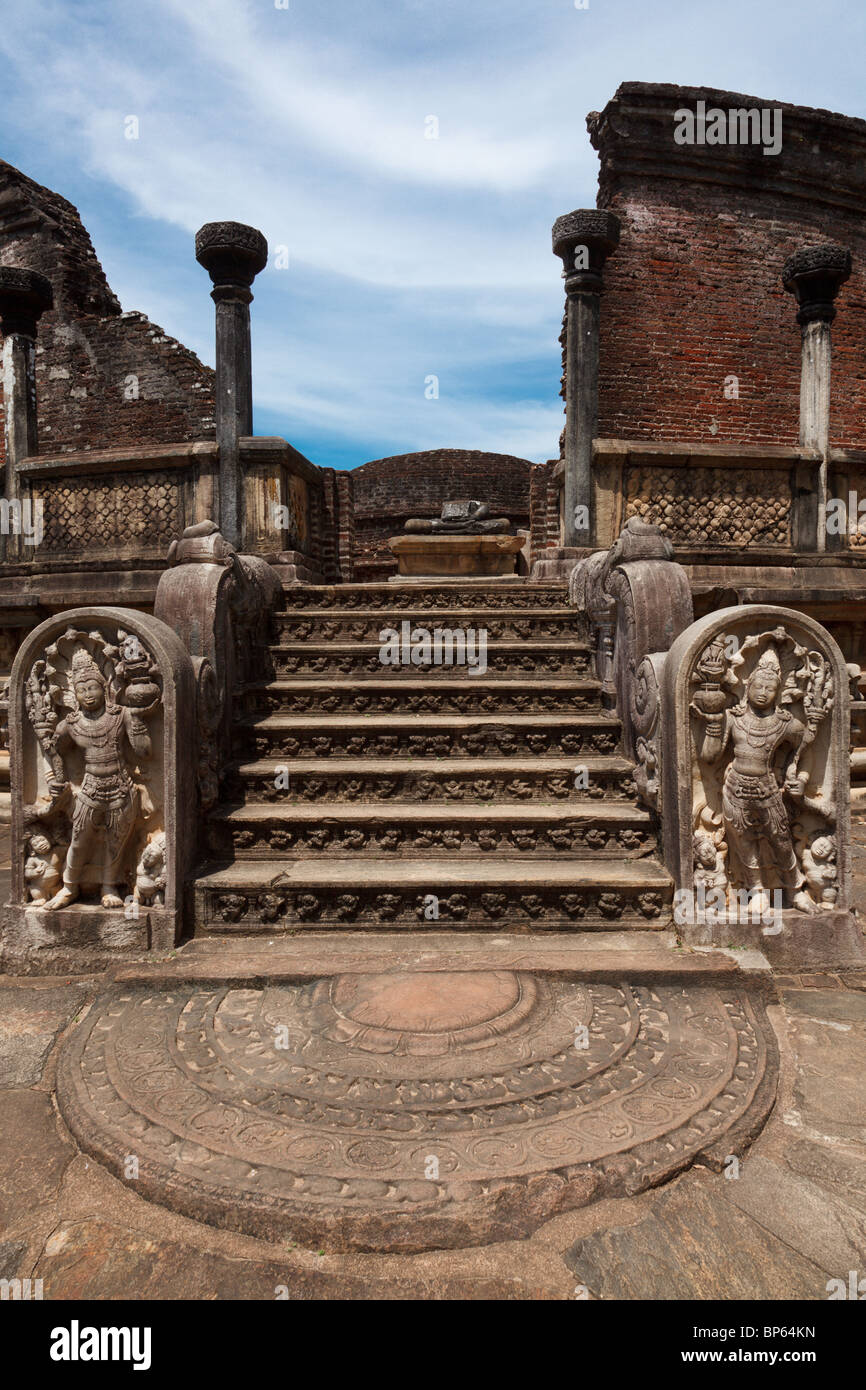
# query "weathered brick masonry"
(694, 292)
(88, 351)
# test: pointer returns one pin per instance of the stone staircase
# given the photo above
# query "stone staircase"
(369, 797)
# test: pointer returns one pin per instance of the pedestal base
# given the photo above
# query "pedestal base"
(82, 937)
(806, 938)
(435, 557)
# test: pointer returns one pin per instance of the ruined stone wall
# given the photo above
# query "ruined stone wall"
(388, 491)
(694, 294)
(104, 378)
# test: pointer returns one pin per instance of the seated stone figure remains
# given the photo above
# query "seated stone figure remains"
(460, 519)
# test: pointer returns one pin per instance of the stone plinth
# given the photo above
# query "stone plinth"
(431, 557)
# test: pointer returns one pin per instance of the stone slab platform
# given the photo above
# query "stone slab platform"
(651, 958)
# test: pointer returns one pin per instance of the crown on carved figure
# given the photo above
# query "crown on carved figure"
(769, 661)
(84, 668)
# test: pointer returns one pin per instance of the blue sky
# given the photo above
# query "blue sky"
(408, 256)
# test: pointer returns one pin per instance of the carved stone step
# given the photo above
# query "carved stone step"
(472, 780)
(510, 831)
(362, 659)
(428, 736)
(421, 696)
(457, 594)
(477, 894)
(356, 625)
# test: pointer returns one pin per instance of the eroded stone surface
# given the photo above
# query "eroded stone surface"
(30, 1020)
(412, 1110)
(694, 1245)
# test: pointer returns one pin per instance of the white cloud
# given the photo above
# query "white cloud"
(408, 255)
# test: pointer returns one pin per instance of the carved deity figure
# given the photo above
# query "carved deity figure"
(761, 736)
(106, 806)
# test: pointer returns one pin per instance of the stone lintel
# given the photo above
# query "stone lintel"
(130, 460)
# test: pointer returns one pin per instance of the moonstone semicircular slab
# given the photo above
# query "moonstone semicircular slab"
(412, 1110)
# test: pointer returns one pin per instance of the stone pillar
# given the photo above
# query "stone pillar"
(24, 296)
(583, 239)
(233, 255)
(814, 276)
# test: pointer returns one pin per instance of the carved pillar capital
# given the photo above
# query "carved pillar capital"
(814, 275)
(232, 254)
(594, 230)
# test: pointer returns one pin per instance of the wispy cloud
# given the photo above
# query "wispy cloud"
(409, 255)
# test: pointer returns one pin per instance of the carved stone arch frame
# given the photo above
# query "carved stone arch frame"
(38, 931)
(814, 937)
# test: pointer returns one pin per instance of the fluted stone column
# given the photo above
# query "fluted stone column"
(232, 254)
(583, 240)
(814, 275)
(25, 296)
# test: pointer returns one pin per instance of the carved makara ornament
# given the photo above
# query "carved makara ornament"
(107, 702)
(760, 743)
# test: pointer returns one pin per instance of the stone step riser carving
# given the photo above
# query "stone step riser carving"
(497, 743)
(474, 698)
(444, 597)
(470, 909)
(285, 837)
(364, 661)
(448, 784)
(322, 627)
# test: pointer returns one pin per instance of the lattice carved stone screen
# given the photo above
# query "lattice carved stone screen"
(712, 506)
(142, 511)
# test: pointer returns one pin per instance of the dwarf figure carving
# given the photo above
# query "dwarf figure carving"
(106, 806)
(757, 828)
(819, 866)
(43, 867)
(710, 853)
(150, 874)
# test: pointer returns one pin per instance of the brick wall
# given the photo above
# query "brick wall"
(104, 378)
(388, 491)
(694, 293)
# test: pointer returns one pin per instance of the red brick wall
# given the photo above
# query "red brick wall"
(694, 293)
(86, 348)
(388, 491)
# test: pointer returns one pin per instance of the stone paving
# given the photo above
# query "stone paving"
(793, 1219)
